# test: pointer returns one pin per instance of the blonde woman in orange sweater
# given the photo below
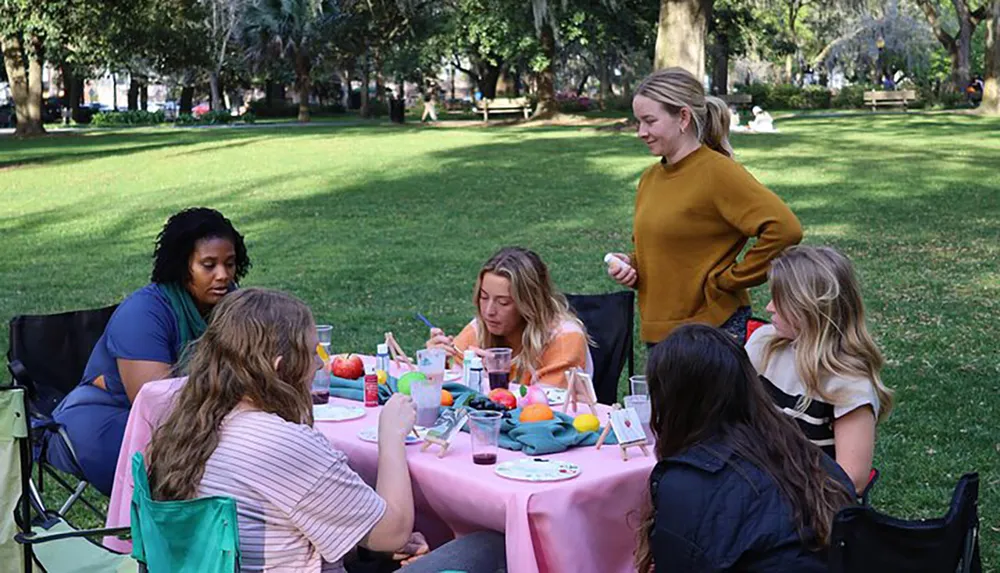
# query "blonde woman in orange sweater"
(695, 210)
(518, 307)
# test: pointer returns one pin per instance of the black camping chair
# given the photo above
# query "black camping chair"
(47, 356)
(866, 541)
(610, 320)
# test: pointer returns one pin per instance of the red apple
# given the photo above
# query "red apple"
(504, 398)
(350, 367)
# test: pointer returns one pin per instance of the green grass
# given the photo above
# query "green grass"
(371, 224)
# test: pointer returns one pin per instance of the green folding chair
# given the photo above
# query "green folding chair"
(31, 535)
(198, 535)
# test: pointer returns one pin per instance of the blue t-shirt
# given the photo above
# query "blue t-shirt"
(143, 327)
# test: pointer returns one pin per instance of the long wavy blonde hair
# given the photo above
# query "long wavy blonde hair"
(233, 361)
(675, 89)
(816, 292)
(538, 302)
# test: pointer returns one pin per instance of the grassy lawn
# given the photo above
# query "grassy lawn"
(371, 224)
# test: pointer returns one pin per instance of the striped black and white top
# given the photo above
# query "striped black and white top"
(787, 390)
(300, 507)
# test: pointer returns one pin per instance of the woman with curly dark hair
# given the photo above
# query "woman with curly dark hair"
(199, 257)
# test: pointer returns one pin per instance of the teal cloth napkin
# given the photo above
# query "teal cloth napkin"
(355, 389)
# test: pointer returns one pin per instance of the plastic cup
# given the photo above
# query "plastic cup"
(484, 427)
(497, 363)
(640, 403)
(432, 362)
(426, 396)
(324, 332)
(320, 389)
(639, 386)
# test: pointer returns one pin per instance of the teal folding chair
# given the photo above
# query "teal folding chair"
(187, 536)
(30, 534)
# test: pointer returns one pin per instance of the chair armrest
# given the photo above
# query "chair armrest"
(32, 539)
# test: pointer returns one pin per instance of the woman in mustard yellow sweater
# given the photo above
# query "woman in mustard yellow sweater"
(695, 210)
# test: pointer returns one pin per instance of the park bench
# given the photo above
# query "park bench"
(889, 98)
(737, 99)
(503, 105)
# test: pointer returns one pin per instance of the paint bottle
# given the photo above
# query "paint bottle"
(371, 388)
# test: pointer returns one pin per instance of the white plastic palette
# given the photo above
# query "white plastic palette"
(537, 470)
(337, 413)
(371, 435)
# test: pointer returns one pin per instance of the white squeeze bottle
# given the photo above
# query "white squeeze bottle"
(382, 358)
(476, 379)
(614, 263)
(466, 366)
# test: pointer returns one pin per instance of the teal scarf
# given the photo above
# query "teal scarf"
(190, 323)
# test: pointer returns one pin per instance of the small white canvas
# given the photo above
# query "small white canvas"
(626, 425)
(448, 425)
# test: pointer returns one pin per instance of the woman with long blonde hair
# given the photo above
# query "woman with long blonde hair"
(695, 210)
(518, 307)
(819, 362)
(241, 427)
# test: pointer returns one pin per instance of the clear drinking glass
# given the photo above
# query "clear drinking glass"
(484, 427)
(426, 396)
(638, 385)
(497, 363)
(640, 403)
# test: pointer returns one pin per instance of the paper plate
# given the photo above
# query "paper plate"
(371, 435)
(537, 469)
(337, 413)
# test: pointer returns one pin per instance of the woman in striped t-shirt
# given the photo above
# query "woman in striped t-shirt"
(241, 427)
(817, 358)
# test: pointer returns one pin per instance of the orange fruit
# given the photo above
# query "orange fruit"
(536, 413)
(446, 398)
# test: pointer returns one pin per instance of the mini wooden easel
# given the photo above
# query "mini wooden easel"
(579, 388)
(396, 352)
(641, 444)
(429, 441)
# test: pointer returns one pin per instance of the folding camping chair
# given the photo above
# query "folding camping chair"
(31, 535)
(866, 541)
(609, 319)
(46, 356)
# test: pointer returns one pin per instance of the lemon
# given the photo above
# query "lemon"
(382, 376)
(586, 423)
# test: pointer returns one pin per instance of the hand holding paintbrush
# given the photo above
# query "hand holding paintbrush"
(438, 339)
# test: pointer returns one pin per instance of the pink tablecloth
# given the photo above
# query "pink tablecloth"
(586, 524)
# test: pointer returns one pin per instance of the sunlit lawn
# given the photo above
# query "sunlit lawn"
(372, 224)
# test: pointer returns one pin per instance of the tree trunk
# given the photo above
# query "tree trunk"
(14, 63)
(365, 110)
(34, 108)
(76, 98)
(547, 106)
(346, 91)
(144, 93)
(583, 84)
(605, 81)
(187, 100)
(956, 46)
(720, 65)
(680, 36)
(216, 100)
(268, 93)
(489, 75)
(133, 93)
(991, 88)
(302, 83)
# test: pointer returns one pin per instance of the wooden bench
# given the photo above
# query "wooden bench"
(737, 99)
(503, 105)
(889, 98)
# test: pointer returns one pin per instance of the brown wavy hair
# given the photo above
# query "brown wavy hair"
(702, 386)
(538, 302)
(233, 362)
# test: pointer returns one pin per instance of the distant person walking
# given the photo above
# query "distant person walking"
(429, 106)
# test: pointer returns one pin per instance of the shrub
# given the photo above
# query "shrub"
(248, 117)
(761, 93)
(185, 119)
(277, 109)
(218, 117)
(571, 103)
(618, 103)
(816, 97)
(850, 97)
(125, 118)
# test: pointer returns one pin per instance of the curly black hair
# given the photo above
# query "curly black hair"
(176, 241)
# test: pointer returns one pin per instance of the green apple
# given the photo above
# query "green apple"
(403, 385)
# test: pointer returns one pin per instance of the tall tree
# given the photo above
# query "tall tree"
(292, 29)
(680, 37)
(991, 88)
(24, 30)
(958, 42)
(223, 20)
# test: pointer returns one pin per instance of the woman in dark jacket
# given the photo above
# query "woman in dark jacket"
(737, 487)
